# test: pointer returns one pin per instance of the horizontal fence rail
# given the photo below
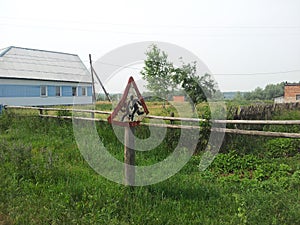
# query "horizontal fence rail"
(178, 126)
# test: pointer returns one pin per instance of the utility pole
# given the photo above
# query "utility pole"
(93, 82)
(105, 92)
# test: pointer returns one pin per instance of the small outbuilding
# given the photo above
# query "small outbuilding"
(34, 77)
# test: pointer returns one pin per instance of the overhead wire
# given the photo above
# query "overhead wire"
(160, 25)
(136, 68)
(174, 26)
(217, 74)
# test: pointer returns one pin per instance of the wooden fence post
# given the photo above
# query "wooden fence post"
(129, 156)
(172, 115)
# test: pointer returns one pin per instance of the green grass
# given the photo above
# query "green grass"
(45, 180)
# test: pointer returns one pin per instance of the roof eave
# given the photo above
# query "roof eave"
(6, 50)
(68, 81)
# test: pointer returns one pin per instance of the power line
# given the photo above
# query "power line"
(216, 74)
(139, 69)
(151, 33)
(257, 73)
(116, 65)
(160, 25)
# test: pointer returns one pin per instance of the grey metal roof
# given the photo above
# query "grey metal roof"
(25, 63)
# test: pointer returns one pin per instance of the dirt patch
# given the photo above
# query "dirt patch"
(5, 220)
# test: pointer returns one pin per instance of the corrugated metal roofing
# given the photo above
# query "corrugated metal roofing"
(25, 63)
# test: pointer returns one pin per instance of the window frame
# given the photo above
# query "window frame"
(43, 93)
(60, 90)
(297, 97)
(84, 91)
(76, 91)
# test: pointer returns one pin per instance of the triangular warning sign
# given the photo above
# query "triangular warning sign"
(131, 110)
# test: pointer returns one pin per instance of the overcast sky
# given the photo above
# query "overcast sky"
(245, 44)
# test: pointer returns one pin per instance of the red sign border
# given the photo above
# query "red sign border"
(121, 103)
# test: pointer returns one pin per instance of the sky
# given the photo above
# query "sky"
(244, 43)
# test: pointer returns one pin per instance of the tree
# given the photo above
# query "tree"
(270, 92)
(238, 97)
(197, 88)
(158, 72)
(274, 90)
(163, 77)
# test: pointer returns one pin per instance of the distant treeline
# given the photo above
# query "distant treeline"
(270, 92)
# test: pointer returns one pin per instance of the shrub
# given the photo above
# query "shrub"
(282, 147)
(63, 113)
(232, 162)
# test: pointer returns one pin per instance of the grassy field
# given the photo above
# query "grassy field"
(45, 180)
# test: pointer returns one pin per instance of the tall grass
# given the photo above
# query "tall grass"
(45, 180)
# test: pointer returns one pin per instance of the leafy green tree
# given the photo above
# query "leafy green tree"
(158, 72)
(270, 92)
(163, 78)
(197, 88)
(274, 90)
(258, 94)
(238, 96)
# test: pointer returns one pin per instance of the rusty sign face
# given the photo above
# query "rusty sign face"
(131, 109)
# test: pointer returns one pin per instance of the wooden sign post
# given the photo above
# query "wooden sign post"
(129, 156)
(129, 112)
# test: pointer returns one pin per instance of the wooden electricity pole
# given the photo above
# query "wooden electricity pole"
(103, 88)
(93, 82)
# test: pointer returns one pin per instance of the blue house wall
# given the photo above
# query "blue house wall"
(89, 91)
(19, 90)
(51, 91)
(66, 91)
(8, 90)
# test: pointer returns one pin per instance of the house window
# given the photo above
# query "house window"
(297, 97)
(57, 91)
(83, 91)
(74, 91)
(43, 91)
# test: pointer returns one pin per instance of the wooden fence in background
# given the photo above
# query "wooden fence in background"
(42, 112)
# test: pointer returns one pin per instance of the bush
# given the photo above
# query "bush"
(64, 113)
(282, 147)
(232, 163)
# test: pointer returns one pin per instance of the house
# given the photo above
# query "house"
(34, 77)
(291, 92)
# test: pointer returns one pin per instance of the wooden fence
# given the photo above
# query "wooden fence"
(92, 113)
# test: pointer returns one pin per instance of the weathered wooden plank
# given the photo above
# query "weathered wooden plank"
(271, 122)
(178, 126)
(129, 156)
(257, 133)
(265, 122)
